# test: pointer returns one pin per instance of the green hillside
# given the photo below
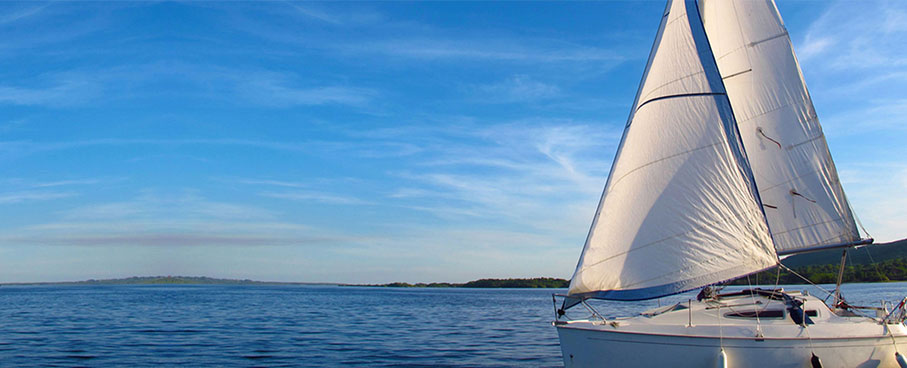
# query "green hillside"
(862, 256)
(874, 263)
(538, 282)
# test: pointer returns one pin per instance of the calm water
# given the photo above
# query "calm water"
(293, 325)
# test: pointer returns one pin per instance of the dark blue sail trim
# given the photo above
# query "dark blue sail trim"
(659, 291)
(681, 95)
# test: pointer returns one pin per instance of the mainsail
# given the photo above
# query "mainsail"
(680, 209)
(804, 202)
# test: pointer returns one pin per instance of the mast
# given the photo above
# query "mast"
(837, 292)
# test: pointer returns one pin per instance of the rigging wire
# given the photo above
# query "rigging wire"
(757, 310)
(805, 279)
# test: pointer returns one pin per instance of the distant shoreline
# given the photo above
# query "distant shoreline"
(540, 282)
(533, 283)
(886, 263)
(166, 280)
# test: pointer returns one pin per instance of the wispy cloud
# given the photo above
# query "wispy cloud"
(20, 14)
(277, 183)
(518, 88)
(392, 39)
(849, 36)
(166, 239)
(312, 196)
(16, 149)
(63, 90)
(535, 175)
(271, 91)
(180, 206)
(251, 86)
(491, 48)
(873, 116)
(28, 196)
(159, 218)
(878, 203)
(61, 183)
(311, 12)
(19, 190)
(163, 233)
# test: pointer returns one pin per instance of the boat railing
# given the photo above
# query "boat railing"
(898, 314)
(571, 301)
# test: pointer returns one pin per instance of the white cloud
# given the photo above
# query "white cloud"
(20, 14)
(813, 45)
(176, 207)
(857, 35)
(28, 196)
(275, 90)
(312, 196)
(489, 48)
(98, 86)
(878, 199)
(518, 88)
(541, 176)
(63, 90)
(873, 116)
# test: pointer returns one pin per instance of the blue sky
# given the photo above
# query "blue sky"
(368, 141)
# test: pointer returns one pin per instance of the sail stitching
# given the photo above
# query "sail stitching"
(657, 161)
(665, 84)
(763, 113)
(808, 226)
(751, 44)
(808, 173)
(724, 219)
(709, 261)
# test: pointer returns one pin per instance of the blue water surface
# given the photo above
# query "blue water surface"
(300, 326)
(311, 326)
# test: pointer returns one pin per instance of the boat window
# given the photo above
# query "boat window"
(772, 313)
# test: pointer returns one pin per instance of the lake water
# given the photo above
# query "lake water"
(308, 326)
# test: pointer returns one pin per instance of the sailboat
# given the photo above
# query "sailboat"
(722, 170)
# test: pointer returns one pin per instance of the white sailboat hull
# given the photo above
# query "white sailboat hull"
(583, 347)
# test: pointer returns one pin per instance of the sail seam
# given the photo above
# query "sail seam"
(724, 219)
(738, 73)
(657, 161)
(809, 226)
(813, 139)
(680, 271)
(754, 43)
(761, 114)
(663, 85)
(798, 177)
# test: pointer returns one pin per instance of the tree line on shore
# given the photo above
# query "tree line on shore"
(538, 282)
(878, 263)
(889, 270)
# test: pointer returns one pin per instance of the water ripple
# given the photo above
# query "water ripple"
(275, 326)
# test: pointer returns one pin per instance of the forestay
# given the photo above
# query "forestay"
(803, 199)
(680, 210)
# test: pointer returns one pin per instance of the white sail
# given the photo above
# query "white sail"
(680, 210)
(799, 187)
